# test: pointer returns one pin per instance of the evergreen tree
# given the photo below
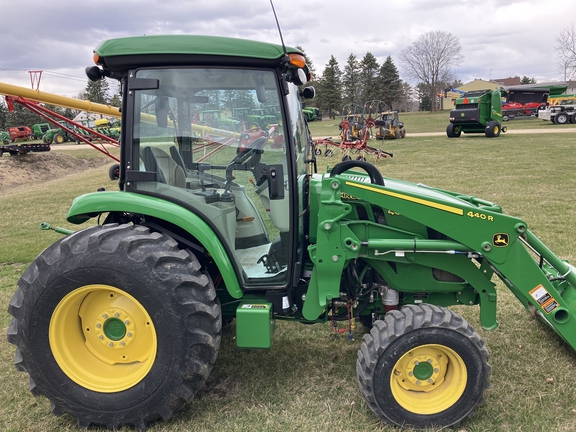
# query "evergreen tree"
(527, 80)
(406, 99)
(389, 84)
(330, 88)
(3, 114)
(116, 99)
(423, 94)
(368, 78)
(351, 81)
(97, 91)
(22, 117)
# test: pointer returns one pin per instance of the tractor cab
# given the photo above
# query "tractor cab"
(245, 185)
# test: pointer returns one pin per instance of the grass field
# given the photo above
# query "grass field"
(307, 382)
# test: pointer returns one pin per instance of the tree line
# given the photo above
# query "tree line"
(429, 60)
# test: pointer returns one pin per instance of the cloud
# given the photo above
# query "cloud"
(498, 38)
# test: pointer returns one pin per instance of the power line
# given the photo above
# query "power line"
(48, 72)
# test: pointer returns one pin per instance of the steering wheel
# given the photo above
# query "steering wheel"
(375, 175)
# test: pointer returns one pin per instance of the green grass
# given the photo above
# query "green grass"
(307, 381)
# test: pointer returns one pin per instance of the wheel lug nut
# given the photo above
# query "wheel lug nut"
(417, 382)
(431, 381)
(105, 316)
(122, 343)
(129, 334)
(436, 370)
(126, 322)
(98, 325)
(410, 373)
(110, 344)
(100, 337)
(416, 362)
(116, 314)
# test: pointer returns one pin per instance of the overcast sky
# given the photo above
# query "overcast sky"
(499, 38)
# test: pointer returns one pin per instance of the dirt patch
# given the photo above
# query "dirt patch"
(39, 167)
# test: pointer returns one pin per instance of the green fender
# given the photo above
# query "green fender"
(90, 205)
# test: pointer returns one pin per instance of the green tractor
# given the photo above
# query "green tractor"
(56, 135)
(215, 118)
(478, 111)
(312, 113)
(260, 118)
(120, 323)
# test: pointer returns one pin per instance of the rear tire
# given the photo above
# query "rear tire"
(58, 138)
(423, 366)
(561, 118)
(105, 297)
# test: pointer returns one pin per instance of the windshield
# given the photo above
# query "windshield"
(209, 140)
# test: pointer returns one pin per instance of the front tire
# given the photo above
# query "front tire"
(423, 366)
(453, 131)
(116, 326)
(492, 129)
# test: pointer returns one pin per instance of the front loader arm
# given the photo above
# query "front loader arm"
(426, 231)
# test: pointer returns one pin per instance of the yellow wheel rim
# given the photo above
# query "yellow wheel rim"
(428, 379)
(102, 338)
(59, 139)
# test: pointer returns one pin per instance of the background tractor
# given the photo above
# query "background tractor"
(120, 323)
(312, 113)
(478, 111)
(56, 135)
(386, 121)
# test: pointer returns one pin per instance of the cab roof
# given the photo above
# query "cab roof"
(121, 53)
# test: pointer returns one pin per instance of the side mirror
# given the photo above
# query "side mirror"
(308, 93)
(94, 73)
(161, 110)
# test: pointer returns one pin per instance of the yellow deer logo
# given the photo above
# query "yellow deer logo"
(500, 240)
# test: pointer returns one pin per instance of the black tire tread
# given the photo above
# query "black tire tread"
(397, 323)
(178, 268)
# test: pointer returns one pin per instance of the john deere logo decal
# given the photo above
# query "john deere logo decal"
(500, 240)
(462, 114)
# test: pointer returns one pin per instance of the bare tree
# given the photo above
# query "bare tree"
(566, 49)
(430, 60)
